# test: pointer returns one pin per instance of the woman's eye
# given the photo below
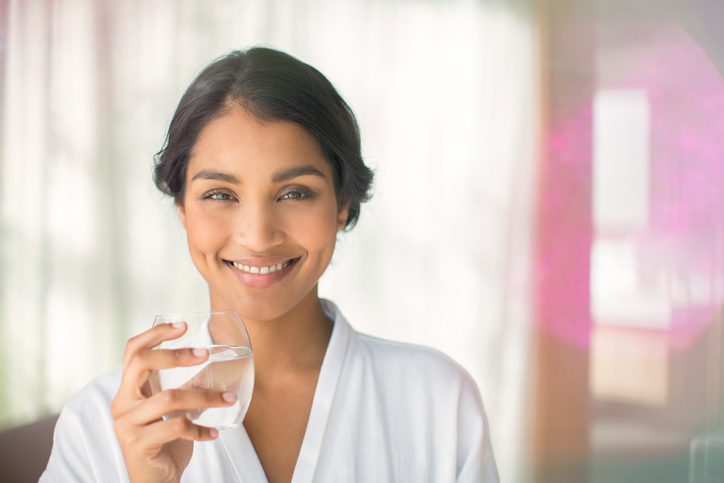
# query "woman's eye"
(217, 196)
(294, 195)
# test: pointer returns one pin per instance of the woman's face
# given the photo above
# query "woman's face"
(260, 213)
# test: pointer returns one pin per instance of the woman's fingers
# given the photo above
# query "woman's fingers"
(169, 401)
(141, 364)
(150, 438)
(152, 337)
(131, 427)
(157, 434)
(140, 359)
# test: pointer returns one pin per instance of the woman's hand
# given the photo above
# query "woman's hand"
(154, 449)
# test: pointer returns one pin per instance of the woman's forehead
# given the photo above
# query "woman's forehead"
(238, 142)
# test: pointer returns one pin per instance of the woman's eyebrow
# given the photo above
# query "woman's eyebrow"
(285, 175)
(216, 175)
(296, 171)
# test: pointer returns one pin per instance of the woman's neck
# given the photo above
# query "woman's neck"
(293, 343)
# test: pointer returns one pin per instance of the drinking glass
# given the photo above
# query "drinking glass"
(229, 367)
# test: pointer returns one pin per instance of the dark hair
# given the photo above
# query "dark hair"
(273, 86)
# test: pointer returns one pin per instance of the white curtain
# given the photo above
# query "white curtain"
(446, 96)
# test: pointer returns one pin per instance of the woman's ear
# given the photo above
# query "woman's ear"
(342, 214)
(181, 211)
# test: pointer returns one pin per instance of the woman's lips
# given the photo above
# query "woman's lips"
(262, 279)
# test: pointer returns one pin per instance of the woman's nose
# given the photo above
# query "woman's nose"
(258, 228)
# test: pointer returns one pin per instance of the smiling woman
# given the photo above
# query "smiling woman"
(263, 161)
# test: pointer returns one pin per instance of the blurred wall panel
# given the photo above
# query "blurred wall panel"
(563, 243)
(656, 383)
(629, 242)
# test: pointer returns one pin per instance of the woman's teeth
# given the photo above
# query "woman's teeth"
(263, 270)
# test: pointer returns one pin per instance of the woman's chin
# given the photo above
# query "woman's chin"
(259, 310)
(259, 316)
(264, 305)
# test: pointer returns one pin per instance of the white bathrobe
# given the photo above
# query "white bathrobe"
(382, 412)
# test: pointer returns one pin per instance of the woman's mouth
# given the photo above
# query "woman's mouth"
(262, 270)
(261, 275)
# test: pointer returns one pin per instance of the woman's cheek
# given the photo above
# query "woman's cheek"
(206, 233)
(323, 216)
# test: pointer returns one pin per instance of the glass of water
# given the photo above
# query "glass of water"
(229, 367)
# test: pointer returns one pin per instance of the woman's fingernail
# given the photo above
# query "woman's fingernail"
(179, 325)
(200, 352)
(229, 396)
(213, 433)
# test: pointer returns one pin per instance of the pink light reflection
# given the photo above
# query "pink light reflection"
(686, 95)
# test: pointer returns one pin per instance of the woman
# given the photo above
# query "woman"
(263, 160)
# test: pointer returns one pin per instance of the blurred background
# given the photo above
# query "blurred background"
(548, 209)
